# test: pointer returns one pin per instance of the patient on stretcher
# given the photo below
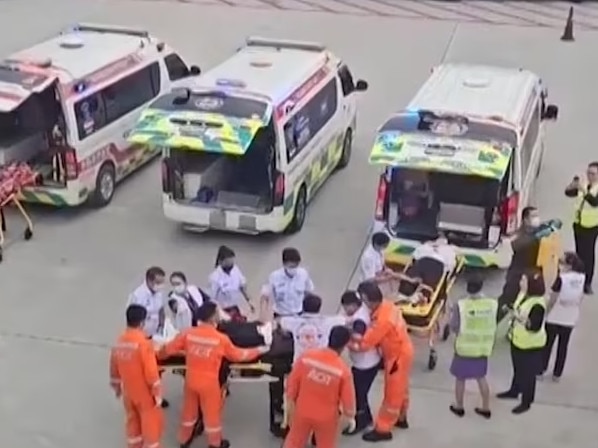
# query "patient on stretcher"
(431, 262)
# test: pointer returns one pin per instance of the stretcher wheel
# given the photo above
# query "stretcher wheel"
(432, 360)
(446, 332)
(28, 234)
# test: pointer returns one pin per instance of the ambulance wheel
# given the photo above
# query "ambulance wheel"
(446, 332)
(300, 211)
(347, 147)
(105, 186)
(432, 360)
(27, 234)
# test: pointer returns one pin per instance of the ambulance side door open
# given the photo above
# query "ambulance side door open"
(348, 87)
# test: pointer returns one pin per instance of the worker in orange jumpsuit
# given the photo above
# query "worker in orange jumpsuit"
(205, 348)
(320, 384)
(134, 376)
(388, 333)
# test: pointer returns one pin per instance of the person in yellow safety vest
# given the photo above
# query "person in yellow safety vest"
(528, 337)
(585, 220)
(473, 320)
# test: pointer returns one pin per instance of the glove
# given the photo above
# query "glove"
(263, 349)
(555, 224)
(350, 424)
(158, 401)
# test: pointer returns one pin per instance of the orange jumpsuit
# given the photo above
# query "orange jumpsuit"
(204, 348)
(319, 384)
(388, 332)
(134, 373)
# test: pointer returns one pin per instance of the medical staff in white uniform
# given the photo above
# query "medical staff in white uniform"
(365, 365)
(228, 286)
(287, 286)
(150, 295)
(309, 329)
(371, 264)
(184, 300)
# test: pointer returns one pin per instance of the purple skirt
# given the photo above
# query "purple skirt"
(463, 368)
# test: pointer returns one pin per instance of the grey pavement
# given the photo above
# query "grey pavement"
(63, 292)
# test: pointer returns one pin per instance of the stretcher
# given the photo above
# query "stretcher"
(422, 297)
(13, 178)
(270, 367)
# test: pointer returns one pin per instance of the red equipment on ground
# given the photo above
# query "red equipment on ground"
(13, 178)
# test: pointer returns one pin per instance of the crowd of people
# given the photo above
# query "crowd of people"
(371, 327)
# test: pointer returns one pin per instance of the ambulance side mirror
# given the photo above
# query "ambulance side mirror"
(361, 85)
(194, 70)
(551, 112)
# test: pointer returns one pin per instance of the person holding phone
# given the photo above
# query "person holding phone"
(585, 220)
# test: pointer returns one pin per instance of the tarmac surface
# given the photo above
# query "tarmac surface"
(63, 293)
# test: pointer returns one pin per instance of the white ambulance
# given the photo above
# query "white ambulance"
(462, 159)
(247, 147)
(67, 105)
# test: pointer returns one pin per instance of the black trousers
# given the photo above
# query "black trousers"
(510, 290)
(526, 366)
(276, 392)
(585, 246)
(563, 334)
(363, 379)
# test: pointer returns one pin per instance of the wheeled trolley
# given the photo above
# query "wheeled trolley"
(13, 178)
(422, 297)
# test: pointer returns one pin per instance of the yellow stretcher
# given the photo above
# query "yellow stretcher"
(426, 319)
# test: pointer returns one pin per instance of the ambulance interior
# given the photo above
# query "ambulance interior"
(33, 132)
(422, 204)
(234, 182)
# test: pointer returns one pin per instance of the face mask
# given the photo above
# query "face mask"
(227, 269)
(535, 221)
(179, 289)
(290, 271)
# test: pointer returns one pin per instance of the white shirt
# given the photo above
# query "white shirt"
(566, 308)
(287, 293)
(369, 358)
(225, 289)
(184, 317)
(371, 264)
(152, 302)
(310, 330)
(446, 254)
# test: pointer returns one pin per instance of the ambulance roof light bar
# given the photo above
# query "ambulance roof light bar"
(279, 44)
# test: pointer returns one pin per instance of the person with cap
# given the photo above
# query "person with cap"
(134, 376)
(585, 220)
(310, 330)
(287, 286)
(533, 247)
(205, 348)
(228, 286)
(473, 320)
(319, 385)
(527, 334)
(365, 365)
(388, 333)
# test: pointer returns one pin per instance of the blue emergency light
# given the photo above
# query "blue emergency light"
(234, 83)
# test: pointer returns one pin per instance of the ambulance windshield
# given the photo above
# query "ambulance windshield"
(452, 126)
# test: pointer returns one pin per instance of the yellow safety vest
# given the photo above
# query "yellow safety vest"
(519, 335)
(585, 214)
(477, 329)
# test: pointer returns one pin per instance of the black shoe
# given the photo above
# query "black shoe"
(165, 404)
(223, 444)
(507, 395)
(402, 423)
(587, 289)
(459, 412)
(521, 409)
(278, 432)
(483, 412)
(376, 436)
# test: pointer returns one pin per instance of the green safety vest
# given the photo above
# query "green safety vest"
(477, 329)
(585, 214)
(519, 335)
